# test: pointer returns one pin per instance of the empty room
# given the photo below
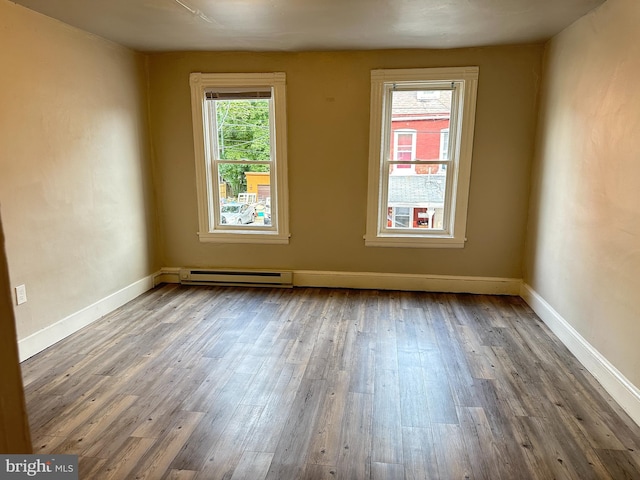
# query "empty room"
(320, 240)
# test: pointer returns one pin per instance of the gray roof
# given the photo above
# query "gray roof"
(406, 102)
(417, 189)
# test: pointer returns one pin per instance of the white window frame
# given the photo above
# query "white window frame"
(207, 184)
(461, 128)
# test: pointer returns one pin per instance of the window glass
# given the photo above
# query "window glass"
(418, 116)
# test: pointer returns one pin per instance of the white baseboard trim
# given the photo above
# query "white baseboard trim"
(411, 282)
(387, 281)
(42, 339)
(615, 383)
(167, 275)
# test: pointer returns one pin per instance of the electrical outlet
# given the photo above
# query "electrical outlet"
(21, 294)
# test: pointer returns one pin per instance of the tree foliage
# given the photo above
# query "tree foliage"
(243, 134)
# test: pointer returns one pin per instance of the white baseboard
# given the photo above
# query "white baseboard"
(388, 281)
(615, 383)
(411, 282)
(167, 275)
(42, 339)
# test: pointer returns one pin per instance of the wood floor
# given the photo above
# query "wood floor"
(288, 384)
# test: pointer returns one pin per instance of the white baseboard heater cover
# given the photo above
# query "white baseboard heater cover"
(201, 276)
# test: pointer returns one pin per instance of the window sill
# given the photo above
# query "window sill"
(407, 242)
(244, 237)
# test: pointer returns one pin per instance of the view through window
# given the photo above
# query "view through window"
(241, 156)
(416, 190)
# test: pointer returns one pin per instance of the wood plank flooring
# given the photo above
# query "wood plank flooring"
(286, 384)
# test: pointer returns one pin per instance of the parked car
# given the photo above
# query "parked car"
(237, 213)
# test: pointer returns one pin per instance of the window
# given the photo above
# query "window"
(421, 137)
(401, 217)
(404, 148)
(239, 131)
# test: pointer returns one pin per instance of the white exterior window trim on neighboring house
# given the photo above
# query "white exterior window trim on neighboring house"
(207, 185)
(396, 146)
(444, 143)
(464, 81)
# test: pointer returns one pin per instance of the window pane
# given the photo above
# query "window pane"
(405, 140)
(420, 132)
(245, 194)
(243, 129)
(425, 112)
(402, 217)
(417, 201)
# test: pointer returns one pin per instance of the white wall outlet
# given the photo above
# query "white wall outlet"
(21, 294)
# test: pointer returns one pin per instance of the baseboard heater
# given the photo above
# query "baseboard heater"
(236, 277)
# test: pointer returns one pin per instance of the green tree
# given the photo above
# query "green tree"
(243, 134)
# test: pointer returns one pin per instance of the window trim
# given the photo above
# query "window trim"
(279, 233)
(376, 236)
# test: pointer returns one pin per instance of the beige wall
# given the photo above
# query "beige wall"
(583, 248)
(74, 172)
(328, 116)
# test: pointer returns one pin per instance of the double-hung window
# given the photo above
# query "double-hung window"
(420, 151)
(239, 131)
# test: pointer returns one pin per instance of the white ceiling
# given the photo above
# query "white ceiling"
(170, 25)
